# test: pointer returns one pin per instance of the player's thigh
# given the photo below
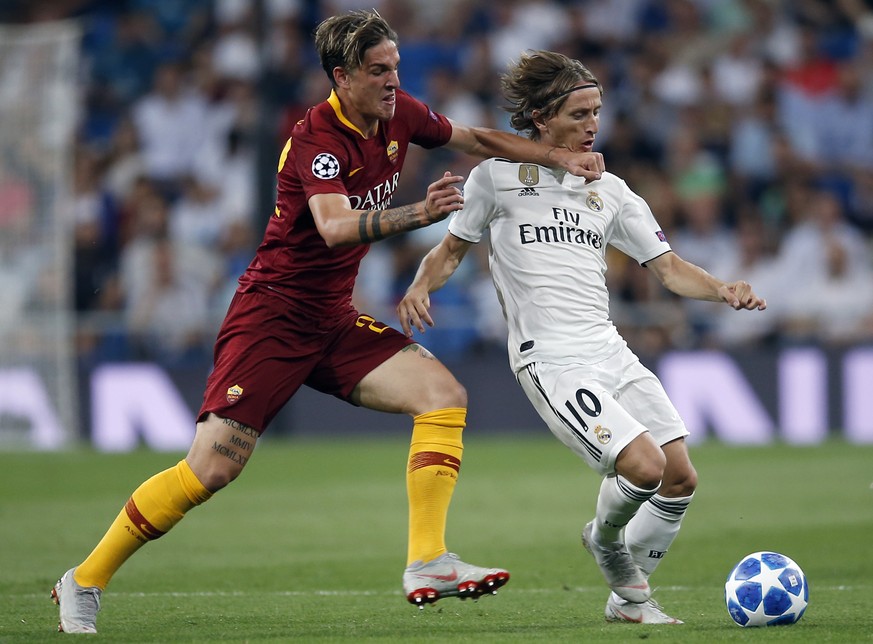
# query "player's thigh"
(580, 412)
(262, 357)
(412, 381)
(643, 396)
(220, 450)
(373, 365)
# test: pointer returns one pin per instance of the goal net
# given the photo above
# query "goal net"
(38, 111)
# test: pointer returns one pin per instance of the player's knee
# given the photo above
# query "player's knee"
(646, 475)
(681, 483)
(216, 458)
(642, 462)
(444, 394)
(216, 476)
(456, 395)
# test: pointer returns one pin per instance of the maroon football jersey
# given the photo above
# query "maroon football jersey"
(327, 154)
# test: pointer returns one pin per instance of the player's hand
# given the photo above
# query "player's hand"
(412, 311)
(443, 198)
(582, 164)
(740, 296)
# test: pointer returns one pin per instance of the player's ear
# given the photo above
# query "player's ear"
(340, 77)
(539, 121)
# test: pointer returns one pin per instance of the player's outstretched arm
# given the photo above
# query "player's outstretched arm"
(435, 269)
(689, 280)
(486, 142)
(341, 225)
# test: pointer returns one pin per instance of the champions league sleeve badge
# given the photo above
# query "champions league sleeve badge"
(325, 166)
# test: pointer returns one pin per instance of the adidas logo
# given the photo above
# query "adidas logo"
(528, 192)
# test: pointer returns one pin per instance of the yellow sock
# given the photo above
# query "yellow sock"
(431, 474)
(154, 507)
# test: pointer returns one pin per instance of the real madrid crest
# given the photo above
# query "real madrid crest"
(528, 174)
(604, 435)
(594, 202)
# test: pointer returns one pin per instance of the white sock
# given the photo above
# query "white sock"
(649, 534)
(618, 501)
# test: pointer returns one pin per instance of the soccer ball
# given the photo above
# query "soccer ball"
(766, 589)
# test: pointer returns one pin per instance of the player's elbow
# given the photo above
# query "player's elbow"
(334, 236)
(333, 241)
(470, 140)
(668, 269)
(670, 281)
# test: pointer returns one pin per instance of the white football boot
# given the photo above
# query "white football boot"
(448, 576)
(649, 612)
(78, 605)
(621, 573)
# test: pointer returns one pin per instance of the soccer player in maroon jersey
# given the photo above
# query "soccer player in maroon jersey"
(292, 321)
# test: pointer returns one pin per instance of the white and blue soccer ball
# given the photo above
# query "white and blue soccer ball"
(766, 589)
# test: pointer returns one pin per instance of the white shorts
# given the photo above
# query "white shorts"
(596, 410)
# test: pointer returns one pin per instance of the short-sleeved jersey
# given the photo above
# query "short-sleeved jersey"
(328, 154)
(548, 236)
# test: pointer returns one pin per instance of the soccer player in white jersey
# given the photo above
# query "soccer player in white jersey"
(548, 236)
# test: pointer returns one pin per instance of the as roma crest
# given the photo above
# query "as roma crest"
(233, 393)
(392, 150)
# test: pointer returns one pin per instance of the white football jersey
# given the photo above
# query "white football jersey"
(548, 237)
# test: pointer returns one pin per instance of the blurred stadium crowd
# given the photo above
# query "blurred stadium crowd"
(746, 124)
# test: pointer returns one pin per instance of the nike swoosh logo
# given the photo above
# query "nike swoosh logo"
(638, 620)
(356, 170)
(451, 577)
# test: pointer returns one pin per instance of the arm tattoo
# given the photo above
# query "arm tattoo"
(374, 225)
(362, 227)
(373, 231)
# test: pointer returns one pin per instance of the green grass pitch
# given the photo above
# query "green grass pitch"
(309, 545)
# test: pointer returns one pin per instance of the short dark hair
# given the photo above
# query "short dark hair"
(541, 80)
(342, 41)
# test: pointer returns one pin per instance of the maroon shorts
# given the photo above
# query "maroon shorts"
(264, 352)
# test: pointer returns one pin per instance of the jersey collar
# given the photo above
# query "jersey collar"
(334, 102)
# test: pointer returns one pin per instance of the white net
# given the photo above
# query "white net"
(39, 103)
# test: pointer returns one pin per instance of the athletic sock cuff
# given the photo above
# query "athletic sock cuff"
(669, 508)
(446, 417)
(191, 485)
(631, 491)
(441, 426)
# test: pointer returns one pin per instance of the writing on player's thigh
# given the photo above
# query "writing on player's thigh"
(220, 450)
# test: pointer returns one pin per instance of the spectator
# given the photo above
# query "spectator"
(169, 318)
(756, 261)
(125, 163)
(821, 221)
(150, 228)
(170, 123)
(93, 218)
(836, 306)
